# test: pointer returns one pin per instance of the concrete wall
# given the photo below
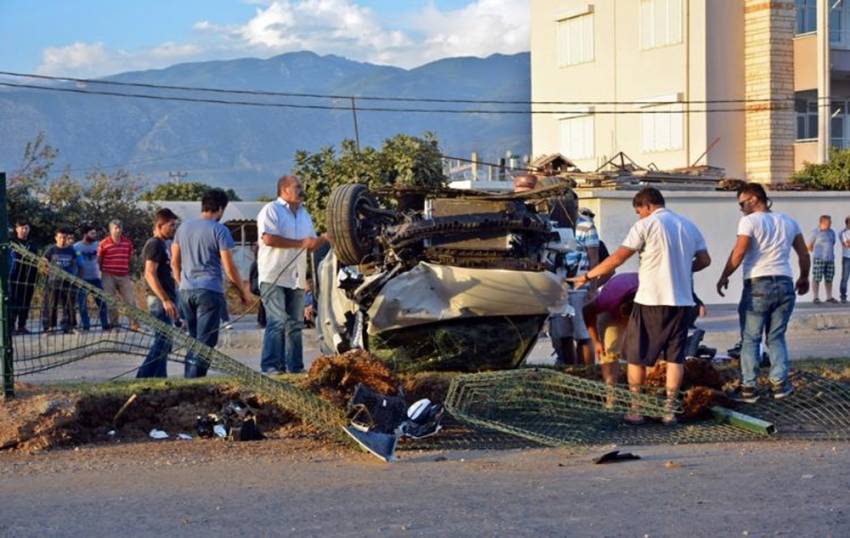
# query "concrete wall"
(716, 214)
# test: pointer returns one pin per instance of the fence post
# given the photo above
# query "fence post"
(5, 325)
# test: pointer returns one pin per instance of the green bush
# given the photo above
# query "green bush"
(402, 161)
(830, 176)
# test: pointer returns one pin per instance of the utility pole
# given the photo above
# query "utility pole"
(356, 130)
(177, 177)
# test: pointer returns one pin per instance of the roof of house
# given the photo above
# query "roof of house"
(235, 211)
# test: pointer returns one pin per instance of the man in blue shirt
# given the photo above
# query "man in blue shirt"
(822, 246)
(86, 250)
(201, 249)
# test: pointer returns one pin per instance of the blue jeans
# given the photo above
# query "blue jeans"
(83, 305)
(767, 303)
(282, 347)
(201, 310)
(155, 363)
(845, 275)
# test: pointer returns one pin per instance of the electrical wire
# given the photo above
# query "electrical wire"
(371, 97)
(382, 109)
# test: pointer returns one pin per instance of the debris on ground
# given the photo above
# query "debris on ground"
(698, 373)
(335, 377)
(158, 434)
(41, 418)
(697, 402)
(431, 385)
(614, 457)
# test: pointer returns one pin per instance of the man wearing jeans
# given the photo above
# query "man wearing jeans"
(114, 254)
(844, 239)
(201, 248)
(764, 244)
(86, 250)
(287, 234)
(161, 291)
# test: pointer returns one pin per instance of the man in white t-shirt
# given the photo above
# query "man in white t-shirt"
(286, 234)
(844, 240)
(671, 250)
(765, 240)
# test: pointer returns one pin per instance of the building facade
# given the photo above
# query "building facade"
(730, 83)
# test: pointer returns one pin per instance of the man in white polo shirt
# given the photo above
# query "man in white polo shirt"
(286, 235)
(671, 250)
(764, 243)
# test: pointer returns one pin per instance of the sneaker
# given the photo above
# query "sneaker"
(832, 300)
(273, 371)
(781, 390)
(746, 395)
(816, 301)
(843, 300)
(735, 352)
(70, 331)
(23, 330)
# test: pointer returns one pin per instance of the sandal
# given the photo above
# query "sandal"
(633, 419)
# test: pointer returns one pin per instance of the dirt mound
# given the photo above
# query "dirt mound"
(431, 385)
(698, 401)
(37, 421)
(56, 419)
(698, 373)
(334, 377)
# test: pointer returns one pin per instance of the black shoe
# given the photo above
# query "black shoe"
(781, 390)
(746, 395)
(23, 330)
(735, 352)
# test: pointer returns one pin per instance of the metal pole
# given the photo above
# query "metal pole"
(5, 325)
(356, 130)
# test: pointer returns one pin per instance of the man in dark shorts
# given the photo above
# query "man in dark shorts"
(161, 291)
(671, 250)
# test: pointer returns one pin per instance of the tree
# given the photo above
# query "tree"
(48, 202)
(833, 175)
(191, 191)
(402, 161)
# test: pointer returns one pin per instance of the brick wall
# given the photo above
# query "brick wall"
(769, 68)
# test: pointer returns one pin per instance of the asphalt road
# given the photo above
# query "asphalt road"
(275, 489)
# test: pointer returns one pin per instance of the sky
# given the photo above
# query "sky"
(89, 38)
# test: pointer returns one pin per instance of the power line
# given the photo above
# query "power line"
(380, 109)
(374, 98)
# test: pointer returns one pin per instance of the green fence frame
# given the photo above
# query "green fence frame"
(5, 328)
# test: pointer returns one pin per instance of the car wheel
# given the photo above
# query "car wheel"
(350, 230)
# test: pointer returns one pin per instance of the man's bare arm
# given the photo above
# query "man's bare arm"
(701, 261)
(152, 280)
(235, 278)
(736, 257)
(176, 263)
(277, 241)
(618, 258)
(805, 261)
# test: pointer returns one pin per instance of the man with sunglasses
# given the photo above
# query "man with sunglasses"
(765, 240)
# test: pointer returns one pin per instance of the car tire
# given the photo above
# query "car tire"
(351, 235)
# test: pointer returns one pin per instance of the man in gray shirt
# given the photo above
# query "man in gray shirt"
(86, 250)
(201, 249)
(822, 246)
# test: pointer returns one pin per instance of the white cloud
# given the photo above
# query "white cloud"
(95, 59)
(342, 27)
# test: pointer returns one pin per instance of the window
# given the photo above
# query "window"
(577, 134)
(839, 114)
(662, 127)
(839, 22)
(807, 16)
(807, 119)
(575, 40)
(660, 23)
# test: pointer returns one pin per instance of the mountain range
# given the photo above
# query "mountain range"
(247, 147)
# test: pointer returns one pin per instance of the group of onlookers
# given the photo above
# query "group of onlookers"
(103, 264)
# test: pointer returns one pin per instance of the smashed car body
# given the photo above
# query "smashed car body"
(443, 280)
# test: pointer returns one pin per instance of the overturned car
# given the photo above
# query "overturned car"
(446, 279)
